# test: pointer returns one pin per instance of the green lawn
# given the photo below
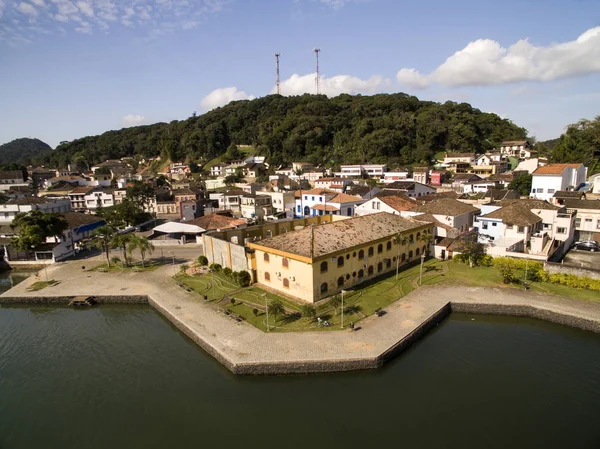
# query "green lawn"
(39, 285)
(359, 302)
(118, 268)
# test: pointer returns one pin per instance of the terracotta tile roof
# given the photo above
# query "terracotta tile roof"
(516, 213)
(554, 169)
(345, 198)
(529, 203)
(11, 174)
(77, 219)
(568, 194)
(82, 189)
(446, 206)
(451, 155)
(338, 236)
(514, 142)
(319, 191)
(583, 204)
(217, 221)
(328, 207)
(429, 218)
(398, 202)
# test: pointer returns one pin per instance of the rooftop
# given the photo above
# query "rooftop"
(345, 198)
(446, 206)
(81, 190)
(583, 204)
(11, 174)
(514, 142)
(213, 222)
(554, 169)
(569, 194)
(516, 213)
(398, 202)
(77, 219)
(529, 203)
(450, 155)
(340, 235)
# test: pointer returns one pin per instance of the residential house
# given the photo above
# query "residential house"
(218, 222)
(587, 218)
(365, 192)
(517, 148)
(595, 183)
(392, 204)
(551, 178)
(409, 188)
(38, 176)
(77, 198)
(301, 167)
(463, 178)
(393, 176)
(318, 261)
(341, 204)
(358, 171)
(437, 178)
(531, 165)
(336, 184)
(421, 174)
(525, 228)
(218, 170)
(459, 162)
(256, 206)
(99, 198)
(479, 186)
(10, 178)
(229, 199)
(562, 195)
(282, 201)
(450, 212)
(307, 199)
(26, 204)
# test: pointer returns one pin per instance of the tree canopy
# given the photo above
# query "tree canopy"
(580, 143)
(391, 128)
(33, 228)
(22, 151)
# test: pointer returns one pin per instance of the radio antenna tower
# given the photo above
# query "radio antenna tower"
(317, 50)
(277, 72)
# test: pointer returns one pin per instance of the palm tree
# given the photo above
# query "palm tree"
(308, 311)
(276, 308)
(121, 241)
(426, 238)
(101, 238)
(142, 244)
(399, 241)
(335, 302)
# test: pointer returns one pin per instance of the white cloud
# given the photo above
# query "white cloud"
(86, 7)
(339, 84)
(220, 97)
(40, 3)
(27, 9)
(337, 4)
(486, 62)
(133, 120)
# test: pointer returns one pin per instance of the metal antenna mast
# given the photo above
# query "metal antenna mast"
(277, 73)
(317, 50)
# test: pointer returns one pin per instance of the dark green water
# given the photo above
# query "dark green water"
(123, 377)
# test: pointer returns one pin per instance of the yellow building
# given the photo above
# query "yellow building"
(318, 261)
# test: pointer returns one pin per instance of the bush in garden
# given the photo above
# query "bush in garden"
(203, 261)
(227, 271)
(215, 267)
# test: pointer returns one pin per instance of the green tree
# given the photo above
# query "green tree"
(276, 308)
(522, 184)
(121, 241)
(142, 244)
(308, 311)
(335, 302)
(471, 248)
(33, 228)
(101, 239)
(141, 194)
(202, 261)
(399, 241)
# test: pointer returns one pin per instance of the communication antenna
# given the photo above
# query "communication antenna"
(317, 50)
(277, 73)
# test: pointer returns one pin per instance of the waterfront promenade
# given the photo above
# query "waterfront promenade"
(246, 350)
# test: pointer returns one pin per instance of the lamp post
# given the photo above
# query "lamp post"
(173, 258)
(421, 273)
(342, 309)
(212, 282)
(526, 267)
(267, 309)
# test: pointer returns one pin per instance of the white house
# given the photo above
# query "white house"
(450, 212)
(393, 204)
(228, 200)
(531, 165)
(357, 171)
(218, 170)
(337, 184)
(256, 206)
(551, 178)
(587, 218)
(409, 188)
(516, 148)
(98, 198)
(25, 204)
(307, 199)
(393, 176)
(595, 183)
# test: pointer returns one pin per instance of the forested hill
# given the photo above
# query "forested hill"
(22, 151)
(394, 128)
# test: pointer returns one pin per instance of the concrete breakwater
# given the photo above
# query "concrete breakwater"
(62, 300)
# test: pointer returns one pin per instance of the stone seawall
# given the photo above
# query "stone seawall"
(57, 300)
(527, 311)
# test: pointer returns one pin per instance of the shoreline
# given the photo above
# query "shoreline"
(340, 362)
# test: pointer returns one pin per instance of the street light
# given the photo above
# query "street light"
(212, 282)
(173, 257)
(526, 267)
(421, 274)
(267, 309)
(342, 309)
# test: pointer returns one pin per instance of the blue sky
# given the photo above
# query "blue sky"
(71, 68)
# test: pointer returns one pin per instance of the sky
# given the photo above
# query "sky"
(72, 68)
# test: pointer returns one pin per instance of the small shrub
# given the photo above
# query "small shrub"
(203, 261)
(485, 261)
(232, 301)
(506, 267)
(227, 271)
(308, 311)
(183, 268)
(215, 267)
(243, 278)
(255, 312)
(116, 260)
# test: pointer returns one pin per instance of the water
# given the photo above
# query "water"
(123, 377)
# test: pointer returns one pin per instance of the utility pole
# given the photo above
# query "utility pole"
(267, 309)
(277, 73)
(526, 267)
(342, 309)
(421, 274)
(317, 50)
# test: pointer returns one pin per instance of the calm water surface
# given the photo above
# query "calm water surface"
(123, 377)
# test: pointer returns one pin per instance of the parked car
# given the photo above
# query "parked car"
(587, 245)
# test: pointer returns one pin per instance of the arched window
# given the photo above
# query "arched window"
(411, 239)
(347, 276)
(389, 245)
(388, 263)
(324, 267)
(354, 254)
(418, 235)
(361, 273)
(285, 262)
(379, 248)
(370, 270)
(286, 282)
(348, 256)
(418, 252)
(424, 250)
(266, 257)
(371, 251)
(267, 276)
(379, 266)
(324, 287)
(341, 261)
(268, 234)
(410, 254)
(403, 257)
(354, 274)
(394, 259)
(361, 254)
(340, 281)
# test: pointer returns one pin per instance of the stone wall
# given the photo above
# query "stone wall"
(57, 300)
(555, 268)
